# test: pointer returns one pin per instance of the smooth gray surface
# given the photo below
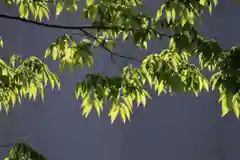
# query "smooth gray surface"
(170, 128)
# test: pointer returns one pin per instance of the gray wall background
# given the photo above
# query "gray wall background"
(170, 128)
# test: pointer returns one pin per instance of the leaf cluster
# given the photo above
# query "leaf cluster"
(21, 151)
(168, 71)
(69, 52)
(23, 78)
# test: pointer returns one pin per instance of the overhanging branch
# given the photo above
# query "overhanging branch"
(5, 16)
(79, 28)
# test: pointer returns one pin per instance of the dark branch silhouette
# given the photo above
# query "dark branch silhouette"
(79, 28)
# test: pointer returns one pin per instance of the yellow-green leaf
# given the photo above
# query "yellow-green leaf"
(126, 111)
(59, 7)
(1, 42)
(114, 112)
(89, 2)
(225, 108)
(210, 8)
(168, 15)
(159, 12)
(215, 2)
(236, 109)
(203, 2)
(122, 114)
(173, 14)
(205, 84)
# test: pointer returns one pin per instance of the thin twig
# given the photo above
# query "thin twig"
(106, 67)
(114, 62)
(107, 49)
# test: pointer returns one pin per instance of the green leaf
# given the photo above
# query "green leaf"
(47, 52)
(110, 44)
(203, 2)
(21, 9)
(215, 2)
(94, 12)
(46, 13)
(1, 42)
(214, 79)
(236, 109)
(227, 104)
(225, 108)
(87, 106)
(159, 12)
(143, 100)
(98, 104)
(89, 2)
(50, 78)
(59, 7)
(114, 112)
(122, 114)
(126, 111)
(127, 101)
(205, 84)
(160, 87)
(54, 52)
(210, 8)
(168, 15)
(173, 14)
(124, 36)
(40, 15)
(138, 98)
(13, 98)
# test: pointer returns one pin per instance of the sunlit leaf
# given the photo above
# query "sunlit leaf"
(59, 7)
(24, 152)
(1, 42)
(89, 2)
(203, 2)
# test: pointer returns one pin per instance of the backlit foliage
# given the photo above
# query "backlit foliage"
(21, 151)
(71, 53)
(23, 79)
(167, 72)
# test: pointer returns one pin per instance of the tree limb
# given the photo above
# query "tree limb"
(81, 28)
(5, 16)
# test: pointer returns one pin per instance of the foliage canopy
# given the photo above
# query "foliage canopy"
(167, 72)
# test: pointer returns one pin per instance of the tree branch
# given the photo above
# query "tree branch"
(81, 28)
(107, 49)
(5, 16)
